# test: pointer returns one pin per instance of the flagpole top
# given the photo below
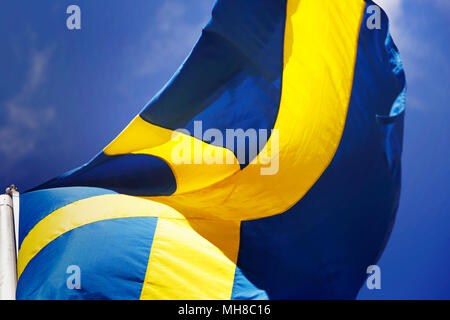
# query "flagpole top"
(11, 189)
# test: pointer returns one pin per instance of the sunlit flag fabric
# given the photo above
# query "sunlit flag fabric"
(140, 225)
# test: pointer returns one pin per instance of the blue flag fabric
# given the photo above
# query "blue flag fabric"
(301, 215)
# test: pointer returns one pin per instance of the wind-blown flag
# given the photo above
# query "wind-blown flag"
(140, 225)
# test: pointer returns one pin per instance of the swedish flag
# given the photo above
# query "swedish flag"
(330, 92)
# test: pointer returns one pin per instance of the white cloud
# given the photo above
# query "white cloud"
(392, 7)
(25, 123)
(442, 4)
(409, 31)
(410, 46)
(170, 38)
(394, 10)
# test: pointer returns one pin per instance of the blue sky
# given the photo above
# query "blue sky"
(65, 94)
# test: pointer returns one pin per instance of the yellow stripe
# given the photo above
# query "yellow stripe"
(195, 173)
(321, 40)
(138, 135)
(192, 260)
(141, 137)
(83, 212)
(320, 52)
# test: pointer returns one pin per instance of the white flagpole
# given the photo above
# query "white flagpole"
(15, 195)
(8, 251)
